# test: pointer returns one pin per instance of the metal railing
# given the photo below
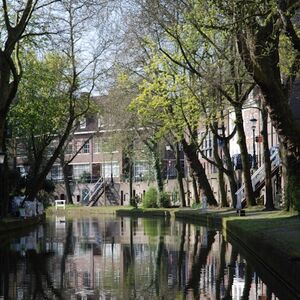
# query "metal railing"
(258, 176)
(98, 185)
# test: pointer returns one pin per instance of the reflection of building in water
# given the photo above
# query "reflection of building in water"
(128, 259)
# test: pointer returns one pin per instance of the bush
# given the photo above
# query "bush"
(150, 198)
(135, 201)
(164, 199)
(197, 205)
(85, 177)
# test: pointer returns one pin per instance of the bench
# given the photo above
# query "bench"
(60, 203)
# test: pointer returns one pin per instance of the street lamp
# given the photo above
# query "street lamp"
(168, 148)
(253, 122)
(111, 170)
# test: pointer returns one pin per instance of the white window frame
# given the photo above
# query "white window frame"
(82, 123)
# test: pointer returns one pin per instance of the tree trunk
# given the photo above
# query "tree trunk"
(263, 62)
(292, 188)
(36, 182)
(158, 174)
(65, 171)
(130, 175)
(230, 174)
(245, 158)
(195, 189)
(221, 180)
(8, 89)
(198, 171)
(267, 162)
(3, 171)
(180, 176)
(153, 148)
(283, 182)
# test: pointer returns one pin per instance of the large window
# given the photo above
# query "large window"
(141, 170)
(110, 168)
(100, 121)
(82, 123)
(78, 170)
(86, 147)
(104, 145)
(56, 173)
(97, 145)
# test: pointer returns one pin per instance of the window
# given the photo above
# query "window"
(111, 167)
(207, 145)
(56, 172)
(82, 123)
(141, 169)
(104, 145)
(86, 148)
(78, 170)
(100, 121)
(97, 145)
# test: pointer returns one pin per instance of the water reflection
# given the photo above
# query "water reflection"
(123, 258)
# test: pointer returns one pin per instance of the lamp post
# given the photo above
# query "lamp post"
(111, 170)
(168, 148)
(253, 122)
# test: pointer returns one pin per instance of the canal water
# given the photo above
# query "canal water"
(126, 258)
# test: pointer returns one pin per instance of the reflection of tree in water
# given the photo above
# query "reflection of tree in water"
(181, 254)
(153, 264)
(128, 265)
(248, 281)
(152, 261)
(5, 261)
(29, 270)
(231, 271)
(221, 269)
(199, 262)
(68, 249)
(160, 270)
(43, 283)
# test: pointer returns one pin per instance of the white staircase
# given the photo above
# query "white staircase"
(92, 192)
(258, 177)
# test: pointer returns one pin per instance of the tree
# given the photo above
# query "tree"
(165, 102)
(16, 20)
(37, 116)
(207, 52)
(259, 45)
(80, 75)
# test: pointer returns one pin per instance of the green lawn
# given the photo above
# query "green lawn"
(278, 228)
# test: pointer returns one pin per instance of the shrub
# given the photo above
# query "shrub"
(85, 177)
(197, 205)
(164, 199)
(150, 198)
(135, 201)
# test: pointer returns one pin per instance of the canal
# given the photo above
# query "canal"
(126, 258)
